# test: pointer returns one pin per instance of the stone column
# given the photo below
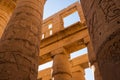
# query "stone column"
(92, 59)
(103, 21)
(97, 73)
(61, 65)
(6, 9)
(19, 45)
(78, 73)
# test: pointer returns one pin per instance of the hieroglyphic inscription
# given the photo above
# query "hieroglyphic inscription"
(109, 52)
(19, 45)
(110, 10)
(93, 20)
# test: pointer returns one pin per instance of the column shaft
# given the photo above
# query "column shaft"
(103, 21)
(78, 75)
(19, 45)
(92, 59)
(61, 67)
(97, 72)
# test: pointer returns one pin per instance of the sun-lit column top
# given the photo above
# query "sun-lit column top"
(7, 5)
(6, 9)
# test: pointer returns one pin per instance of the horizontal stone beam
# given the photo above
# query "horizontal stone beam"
(73, 38)
(81, 60)
(63, 38)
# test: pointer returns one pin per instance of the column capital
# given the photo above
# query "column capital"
(60, 51)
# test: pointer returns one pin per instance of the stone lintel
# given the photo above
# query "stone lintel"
(80, 60)
(65, 38)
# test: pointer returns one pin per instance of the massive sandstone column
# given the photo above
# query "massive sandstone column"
(103, 21)
(61, 65)
(93, 62)
(19, 45)
(6, 9)
(78, 73)
(97, 74)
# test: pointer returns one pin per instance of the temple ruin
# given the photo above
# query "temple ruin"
(27, 41)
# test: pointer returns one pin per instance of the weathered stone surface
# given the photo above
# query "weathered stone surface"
(97, 74)
(78, 75)
(78, 71)
(19, 45)
(61, 67)
(93, 62)
(45, 74)
(103, 21)
(91, 53)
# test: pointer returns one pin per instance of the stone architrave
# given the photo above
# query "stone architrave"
(19, 45)
(103, 21)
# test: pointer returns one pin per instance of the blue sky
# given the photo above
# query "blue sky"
(52, 7)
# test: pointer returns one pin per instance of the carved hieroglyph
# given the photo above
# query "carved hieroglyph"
(103, 21)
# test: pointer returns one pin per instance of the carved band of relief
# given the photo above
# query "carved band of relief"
(109, 52)
(110, 10)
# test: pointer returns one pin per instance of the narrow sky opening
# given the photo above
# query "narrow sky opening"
(71, 19)
(53, 6)
(46, 65)
(89, 74)
(78, 53)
